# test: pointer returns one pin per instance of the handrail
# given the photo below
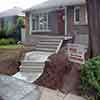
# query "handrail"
(62, 42)
(59, 46)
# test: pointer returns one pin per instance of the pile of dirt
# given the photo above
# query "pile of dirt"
(60, 74)
(10, 60)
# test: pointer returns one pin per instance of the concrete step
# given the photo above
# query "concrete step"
(46, 46)
(47, 36)
(31, 70)
(31, 67)
(50, 40)
(46, 49)
(30, 63)
(49, 43)
(29, 77)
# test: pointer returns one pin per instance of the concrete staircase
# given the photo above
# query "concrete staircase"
(48, 43)
(44, 46)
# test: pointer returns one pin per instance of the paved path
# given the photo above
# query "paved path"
(14, 89)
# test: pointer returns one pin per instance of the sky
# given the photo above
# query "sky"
(7, 4)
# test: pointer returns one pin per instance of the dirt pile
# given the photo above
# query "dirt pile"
(60, 74)
(10, 60)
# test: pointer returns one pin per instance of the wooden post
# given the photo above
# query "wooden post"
(93, 7)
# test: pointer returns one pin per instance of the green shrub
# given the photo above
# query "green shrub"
(12, 41)
(7, 41)
(2, 33)
(4, 41)
(20, 22)
(90, 76)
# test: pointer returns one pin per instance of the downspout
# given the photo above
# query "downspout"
(65, 35)
(30, 23)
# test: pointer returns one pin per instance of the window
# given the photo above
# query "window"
(80, 15)
(40, 22)
(77, 15)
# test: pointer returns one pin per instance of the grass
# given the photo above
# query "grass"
(10, 46)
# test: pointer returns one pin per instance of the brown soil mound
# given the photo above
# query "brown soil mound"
(10, 60)
(60, 74)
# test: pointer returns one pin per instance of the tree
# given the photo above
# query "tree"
(20, 22)
(93, 7)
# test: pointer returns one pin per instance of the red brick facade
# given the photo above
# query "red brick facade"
(27, 23)
(61, 23)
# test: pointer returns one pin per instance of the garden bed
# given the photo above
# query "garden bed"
(10, 57)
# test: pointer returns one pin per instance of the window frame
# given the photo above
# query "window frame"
(40, 15)
(75, 8)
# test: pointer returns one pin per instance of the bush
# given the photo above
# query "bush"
(12, 41)
(90, 76)
(2, 33)
(7, 41)
(20, 22)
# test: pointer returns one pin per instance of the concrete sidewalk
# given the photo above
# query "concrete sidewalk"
(15, 89)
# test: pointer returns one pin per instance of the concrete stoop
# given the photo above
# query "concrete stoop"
(34, 61)
(45, 43)
(44, 47)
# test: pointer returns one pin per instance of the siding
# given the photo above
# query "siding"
(56, 22)
(8, 22)
(80, 28)
(60, 21)
(52, 22)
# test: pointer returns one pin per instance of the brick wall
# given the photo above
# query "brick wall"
(60, 21)
(27, 22)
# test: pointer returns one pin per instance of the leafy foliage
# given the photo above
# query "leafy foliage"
(90, 75)
(7, 41)
(20, 22)
(2, 33)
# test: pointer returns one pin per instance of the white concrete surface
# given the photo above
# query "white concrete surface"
(14, 89)
(37, 56)
(28, 77)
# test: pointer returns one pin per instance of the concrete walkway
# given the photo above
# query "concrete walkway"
(14, 89)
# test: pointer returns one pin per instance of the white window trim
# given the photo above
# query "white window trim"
(44, 30)
(76, 22)
(41, 30)
(86, 16)
(30, 20)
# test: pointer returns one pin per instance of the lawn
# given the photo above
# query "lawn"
(10, 46)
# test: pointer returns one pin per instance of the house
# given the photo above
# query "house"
(58, 17)
(8, 18)
(50, 22)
